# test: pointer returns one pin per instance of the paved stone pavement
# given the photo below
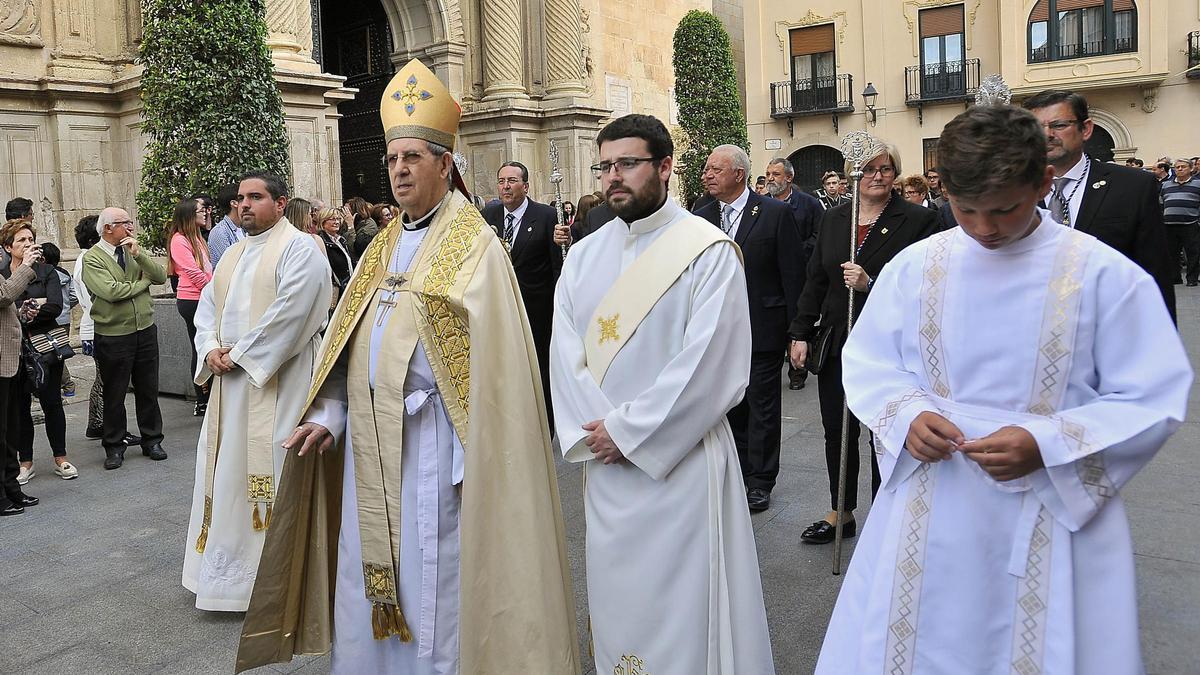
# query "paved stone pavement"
(92, 575)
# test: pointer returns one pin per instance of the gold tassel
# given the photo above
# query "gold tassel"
(267, 521)
(202, 540)
(387, 620)
(256, 519)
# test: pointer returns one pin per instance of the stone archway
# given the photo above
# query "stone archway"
(1120, 142)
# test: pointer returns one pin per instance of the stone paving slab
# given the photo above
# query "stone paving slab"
(92, 575)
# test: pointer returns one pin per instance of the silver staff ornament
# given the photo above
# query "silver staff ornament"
(858, 147)
(993, 91)
(556, 177)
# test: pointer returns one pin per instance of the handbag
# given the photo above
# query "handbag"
(818, 349)
(54, 343)
(34, 365)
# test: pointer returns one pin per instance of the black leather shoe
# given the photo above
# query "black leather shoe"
(26, 500)
(114, 459)
(12, 510)
(1193, 283)
(199, 410)
(796, 386)
(94, 433)
(758, 499)
(822, 532)
(155, 452)
(130, 440)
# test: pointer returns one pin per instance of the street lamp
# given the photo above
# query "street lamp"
(869, 95)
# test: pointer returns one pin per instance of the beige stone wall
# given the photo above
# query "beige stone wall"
(70, 114)
(875, 41)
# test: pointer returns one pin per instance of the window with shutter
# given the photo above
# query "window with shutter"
(941, 21)
(814, 40)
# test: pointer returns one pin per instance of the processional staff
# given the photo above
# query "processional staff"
(556, 177)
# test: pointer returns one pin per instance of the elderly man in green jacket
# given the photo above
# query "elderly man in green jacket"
(118, 274)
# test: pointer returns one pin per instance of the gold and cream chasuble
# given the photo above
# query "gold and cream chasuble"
(652, 335)
(264, 302)
(434, 362)
(955, 572)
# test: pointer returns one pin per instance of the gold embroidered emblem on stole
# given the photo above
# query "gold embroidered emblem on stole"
(630, 665)
(608, 328)
(258, 487)
(380, 581)
(454, 342)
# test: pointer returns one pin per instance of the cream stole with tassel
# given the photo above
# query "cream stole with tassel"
(260, 457)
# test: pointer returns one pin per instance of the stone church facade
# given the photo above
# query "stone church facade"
(526, 71)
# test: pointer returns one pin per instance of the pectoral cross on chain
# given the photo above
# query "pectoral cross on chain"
(393, 282)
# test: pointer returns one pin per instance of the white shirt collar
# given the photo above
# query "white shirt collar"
(1078, 170)
(740, 202)
(519, 212)
(107, 248)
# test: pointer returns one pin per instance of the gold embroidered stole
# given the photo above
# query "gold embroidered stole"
(260, 457)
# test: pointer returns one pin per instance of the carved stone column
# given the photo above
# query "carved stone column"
(503, 50)
(289, 34)
(564, 49)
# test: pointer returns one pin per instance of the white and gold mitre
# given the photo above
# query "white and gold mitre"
(416, 104)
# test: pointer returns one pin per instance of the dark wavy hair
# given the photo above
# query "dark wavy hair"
(988, 148)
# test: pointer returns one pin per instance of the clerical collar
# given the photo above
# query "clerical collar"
(422, 222)
(665, 214)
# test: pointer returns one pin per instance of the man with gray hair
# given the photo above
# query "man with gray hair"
(772, 246)
(807, 209)
(118, 274)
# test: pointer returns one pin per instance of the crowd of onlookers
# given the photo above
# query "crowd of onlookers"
(111, 285)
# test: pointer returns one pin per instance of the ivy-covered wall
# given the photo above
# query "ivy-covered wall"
(706, 92)
(211, 107)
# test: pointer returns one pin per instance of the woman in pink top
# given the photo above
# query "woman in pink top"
(189, 260)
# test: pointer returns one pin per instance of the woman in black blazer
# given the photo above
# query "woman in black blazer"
(330, 228)
(887, 224)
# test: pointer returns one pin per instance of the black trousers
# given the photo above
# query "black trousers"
(187, 310)
(11, 396)
(1186, 237)
(50, 398)
(830, 393)
(755, 421)
(119, 360)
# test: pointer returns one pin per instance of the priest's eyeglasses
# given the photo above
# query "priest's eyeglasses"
(1061, 125)
(622, 165)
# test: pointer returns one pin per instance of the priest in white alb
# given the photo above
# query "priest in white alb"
(1016, 374)
(650, 349)
(419, 528)
(258, 328)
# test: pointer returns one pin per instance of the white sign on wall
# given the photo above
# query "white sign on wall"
(774, 144)
(617, 95)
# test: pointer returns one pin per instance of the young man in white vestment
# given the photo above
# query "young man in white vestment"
(1016, 374)
(258, 327)
(418, 529)
(650, 350)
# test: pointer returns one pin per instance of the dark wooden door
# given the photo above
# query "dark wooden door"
(357, 43)
(812, 162)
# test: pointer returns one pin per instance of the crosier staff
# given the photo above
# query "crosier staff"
(858, 147)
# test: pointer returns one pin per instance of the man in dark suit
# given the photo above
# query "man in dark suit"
(1115, 204)
(527, 228)
(807, 209)
(773, 251)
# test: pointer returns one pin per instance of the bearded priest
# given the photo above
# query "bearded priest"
(418, 527)
(650, 349)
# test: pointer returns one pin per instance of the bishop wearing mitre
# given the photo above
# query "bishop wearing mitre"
(417, 527)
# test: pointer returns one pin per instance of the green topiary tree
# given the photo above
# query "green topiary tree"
(707, 94)
(211, 108)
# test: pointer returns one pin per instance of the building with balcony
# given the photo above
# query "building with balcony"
(816, 70)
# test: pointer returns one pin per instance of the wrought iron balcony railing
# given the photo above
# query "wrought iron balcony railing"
(942, 81)
(814, 96)
(1194, 54)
